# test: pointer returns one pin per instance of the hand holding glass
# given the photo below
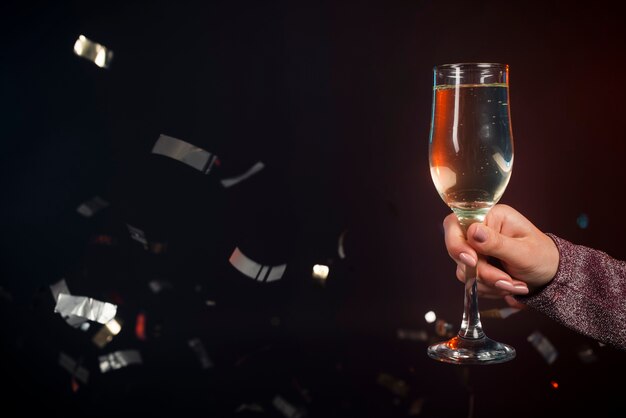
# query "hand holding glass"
(471, 157)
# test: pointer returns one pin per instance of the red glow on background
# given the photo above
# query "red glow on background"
(75, 385)
(140, 327)
(102, 240)
(554, 384)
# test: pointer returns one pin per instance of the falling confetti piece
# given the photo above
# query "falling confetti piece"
(255, 270)
(138, 235)
(185, 152)
(412, 335)
(230, 182)
(198, 348)
(341, 251)
(118, 360)
(587, 355)
(73, 367)
(91, 207)
(93, 51)
(320, 272)
(543, 346)
(107, 332)
(287, 409)
(85, 307)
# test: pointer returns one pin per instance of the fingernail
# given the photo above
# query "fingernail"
(521, 290)
(480, 234)
(508, 286)
(504, 285)
(467, 259)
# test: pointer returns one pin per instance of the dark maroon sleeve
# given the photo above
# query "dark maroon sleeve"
(588, 293)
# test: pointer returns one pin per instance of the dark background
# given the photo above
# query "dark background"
(334, 98)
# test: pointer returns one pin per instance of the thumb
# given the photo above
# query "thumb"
(490, 242)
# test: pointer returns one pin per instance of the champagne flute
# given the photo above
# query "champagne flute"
(471, 157)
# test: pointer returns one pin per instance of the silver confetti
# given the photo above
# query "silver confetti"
(287, 409)
(58, 288)
(93, 51)
(91, 207)
(229, 182)
(85, 307)
(184, 152)
(197, 346)
(543, 346)
(157, 286)
(73, 367)
(254, 407)
(255, 270)
(138, 235)
(119, 359)
(587, 355)
(340, 245)
(412, 335)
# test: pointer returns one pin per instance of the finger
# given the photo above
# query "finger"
(490, 242)
(523, 249)
(514, 303)
(505, 234)
(490, 290)
(501, 234)
(456, 244)
(460, 272)
(492, 276)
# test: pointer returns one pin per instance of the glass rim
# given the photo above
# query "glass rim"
(472, 64)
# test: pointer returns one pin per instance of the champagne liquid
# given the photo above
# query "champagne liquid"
(471, 146)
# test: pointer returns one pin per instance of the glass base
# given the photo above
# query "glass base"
(459, 350)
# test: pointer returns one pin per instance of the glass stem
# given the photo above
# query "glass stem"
(471, 328)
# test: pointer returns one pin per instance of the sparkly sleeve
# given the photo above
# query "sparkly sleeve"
(587, 294)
